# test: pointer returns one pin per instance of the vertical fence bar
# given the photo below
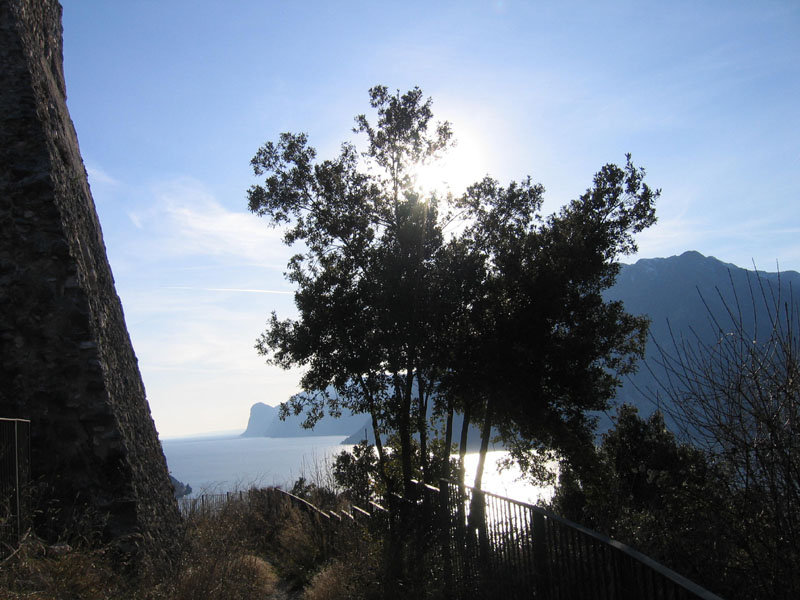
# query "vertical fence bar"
(511, 550)
(445, 537)
(540, 562)
(14, 481)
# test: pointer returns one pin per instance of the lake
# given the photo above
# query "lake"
(217, 464)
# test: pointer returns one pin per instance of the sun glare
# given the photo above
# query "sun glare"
(459, 168)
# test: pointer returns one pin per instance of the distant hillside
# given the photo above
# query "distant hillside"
(674, 292)
(474, 437)
(261, 418)
(293, 425)
(181, 489)
(264, 422)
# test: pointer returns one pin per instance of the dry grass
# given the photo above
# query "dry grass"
(331, 583)
(36, 573)
(236, 577)
(219, 561)
(261, 547)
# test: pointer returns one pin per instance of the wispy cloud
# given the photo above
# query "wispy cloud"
(135, 219)
(185, 220)
(98, 176)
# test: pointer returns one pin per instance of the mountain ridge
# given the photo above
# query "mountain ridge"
(675, 292)
(678, 294)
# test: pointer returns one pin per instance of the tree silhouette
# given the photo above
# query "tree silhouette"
(502, 321)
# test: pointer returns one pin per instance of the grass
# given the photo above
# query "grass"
(258, 547)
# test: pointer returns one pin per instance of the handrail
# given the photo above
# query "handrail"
(676, 578)
(535, 543)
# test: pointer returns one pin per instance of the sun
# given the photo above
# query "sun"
(460, 167)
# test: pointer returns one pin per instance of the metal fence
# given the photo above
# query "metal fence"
(208, 504)
(494, 546)
(470, 543)
(15, 452)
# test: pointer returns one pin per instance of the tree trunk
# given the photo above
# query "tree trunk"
(422, 426)
(448, 440)
(376, 432)
(381, 456)
(486, 432)
(404, 431)
(462, 449)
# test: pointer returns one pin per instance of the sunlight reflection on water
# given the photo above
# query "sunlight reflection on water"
(506, 483)
(217, 465)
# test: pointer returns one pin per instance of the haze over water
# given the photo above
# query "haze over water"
(227, 463)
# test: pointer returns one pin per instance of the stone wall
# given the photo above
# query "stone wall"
(66, 360)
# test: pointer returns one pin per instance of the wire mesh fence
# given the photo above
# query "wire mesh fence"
(14, 481)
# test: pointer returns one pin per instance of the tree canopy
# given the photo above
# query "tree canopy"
(501, 319)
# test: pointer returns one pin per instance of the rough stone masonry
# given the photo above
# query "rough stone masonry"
(66, 360)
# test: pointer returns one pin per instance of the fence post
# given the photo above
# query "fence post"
(445, 540)
(477, 520)
(540, 566)
(16, 480)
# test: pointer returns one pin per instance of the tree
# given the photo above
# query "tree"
(738, 399)
(354, 472)
(503, 322)
(363, 290)
(542, 347)
(657, 494)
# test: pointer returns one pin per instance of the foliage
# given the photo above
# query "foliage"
(319, 495)
(648, 490)
(503, 321)
(676, 503)
(542, 347)
(257, 546)
(369, 241)
(738, 399)
(354, 472)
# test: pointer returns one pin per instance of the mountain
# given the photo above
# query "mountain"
(473, 439)
(344, 425)
(678, 294)
(181, 489)
(261, 417)
(264, 422)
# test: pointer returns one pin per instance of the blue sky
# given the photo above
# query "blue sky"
(171, 100)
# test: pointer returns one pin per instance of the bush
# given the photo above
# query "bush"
(663, 497)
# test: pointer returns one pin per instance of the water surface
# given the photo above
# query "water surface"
(228, 463)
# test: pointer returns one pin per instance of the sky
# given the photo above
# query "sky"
(172, 99)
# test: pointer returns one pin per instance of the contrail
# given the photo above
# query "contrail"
(246, 291)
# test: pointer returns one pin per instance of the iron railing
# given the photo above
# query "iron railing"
(499, 547)
(15, 452)
(474, 544)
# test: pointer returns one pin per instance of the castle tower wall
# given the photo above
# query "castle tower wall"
(66, 360)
